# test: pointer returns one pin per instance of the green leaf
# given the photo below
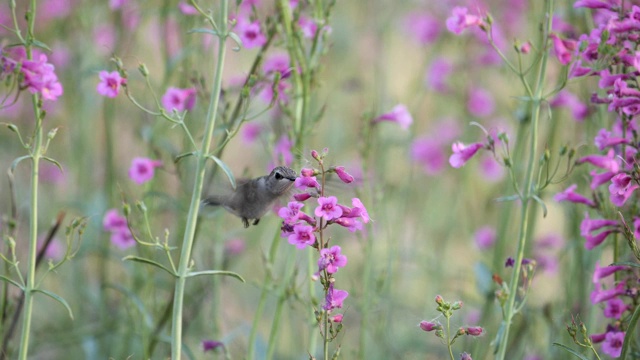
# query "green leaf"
(571, 351)
(625, 263)
(148, 319)
(40, 44)
(182, 156)
(237, 39)
(226, 170)
(15, 162)
(544, 207)
(57, 298)
(507, 198)
(13, 282)
(148, 262)
(628, 337)
(216, 272)
(56, 163)
(203, 31)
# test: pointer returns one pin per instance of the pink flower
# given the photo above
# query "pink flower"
(308, 27)
(459, 20)
(343, 175)
(598, 295)
(604, 140)
(122, 238)
(563, 48)
(428, 152)
(39, 77)
(250, 132)
(593, 4)
(438, 75)
(570, 195)
(594, 240)
(465, 356)
(399, 114)
(599, 179)
(588, 225)
(480, 103)
(490, 169)
(277, 62)
(462, 153)
(357, 204)
(282, 151)
(290, 213)
(302, 196)
(328, 208)
(605, 271)
(303, 182)
(187, 9)
(474, 330)
(423, 28)
(110, 83)
(250, 33)
(430, 325)
(210, 345)
(614, 308)
(143, 169)
(331, 259)
(337, 318)
(612, 344)
(113, 221)
(579, 110)
(350, 223)
(302, 236)
(179, 99)
(621, 189)
(485, 237)
(334, 298)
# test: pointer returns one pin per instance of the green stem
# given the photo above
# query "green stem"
(449, 338)
(510, 309)
(187, 242)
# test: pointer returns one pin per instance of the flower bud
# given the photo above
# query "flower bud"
(336, 318)
(343, 175)
(439, 300)
(302, 196)
(306, 172)
(456, 305)
(315, 155)
(429, 325)
(143, 69)
(474, 330)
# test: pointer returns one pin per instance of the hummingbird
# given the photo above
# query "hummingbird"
(252, 198)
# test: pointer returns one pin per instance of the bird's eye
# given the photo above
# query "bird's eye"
(278, 176)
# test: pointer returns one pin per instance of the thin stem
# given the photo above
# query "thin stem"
(187, 242)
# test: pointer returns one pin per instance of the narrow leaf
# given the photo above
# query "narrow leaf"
(40, 44)
(15, 163)
(226, 170)
(507, 198)
(571, 351)
(544, 207)
(182, 156)
(237, 39)
(202, 31)
(57, 298)
(148, 262)
(56, 163)
(625, 263)
(628, 337)
(216, 272)
(13, 282)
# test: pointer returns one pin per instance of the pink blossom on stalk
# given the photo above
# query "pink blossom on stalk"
(612, 344)
(122, 238)
(357, 204)
(594, 240)
(474, 330)
(113, 220)
(614, 308)
(328, 208)
(428, 152)
(337, 318)
(302, 236)
(491, 169)
(598, 295)
(210, 345)
(621, 189)
(485, 237)
(604, 140)
(563, 48)
(636, 227)
(334, 298)
(350, 223)
(430, 325)
(331, 259)
(579, 110)
(143, 169)
(303, 182)
(179, 99)
(110, 83)
(423, 28)
(570, 195)
(460, 20)
(399, 114)
(282, 151)
(277, 62)
(605, 271)
(588, 225)
(462, 153)
(302, 196)
(308, 27)
(250, 33)
(607, 162)
(343, 175)
(187, 9)
(104, 38)
(39, 77)
(290, 213)
(438, 75)
(599, 179)
(465, 356)
(593, 4)
(250, 132)
(480, 102)
(597, 338)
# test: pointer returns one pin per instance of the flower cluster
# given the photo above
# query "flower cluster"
(117, 225)
(304, 230)
(37, 75)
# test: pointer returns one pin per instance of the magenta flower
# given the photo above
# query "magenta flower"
(113, 221)
(302, 196)
(308, 27)
(334, 298)
(612, 344)
(485, 237)
(399, 114)
(302, 236)
(250, 132)
(614, 308)
(460, 20)
(593, 4)
(337, 318)
(122, 238)
(331, 259)
(110, 83)
(465, 356)
(357, 204)
(604, 140)
(143, 169)
(578, 109)
(430, 325)
(39, 77)
(290, 213)
(343, 175)
(423, 28)
(438, 75)
(563, 48)
(250, 33)
(429, 153)
(490, 169)
(277, 62)
(210, 345)
(474, 330)
(607, 162)
(187, 9)
(328, 208)
(303, 182)
(594, 240)
(282, 151)
(480, 102)
(462, 153)
(179, 99)
(605, 271)
(588, 225)
(621, 189)
(570, 195)
(598, 295)
(350, 223)
(599, 179)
